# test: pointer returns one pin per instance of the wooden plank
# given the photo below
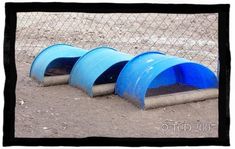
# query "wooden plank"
(56, 80)
(180, 98)
(103, 89)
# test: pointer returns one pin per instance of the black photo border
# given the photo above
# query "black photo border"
(11, 10)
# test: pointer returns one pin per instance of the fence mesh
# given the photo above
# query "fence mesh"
(191, 36)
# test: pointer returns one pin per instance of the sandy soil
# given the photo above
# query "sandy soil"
(64, 111)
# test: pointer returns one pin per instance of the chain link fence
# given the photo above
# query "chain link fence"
(191, 36)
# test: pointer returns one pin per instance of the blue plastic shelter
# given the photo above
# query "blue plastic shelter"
(152, 70)
(100, 65)
(58, 56)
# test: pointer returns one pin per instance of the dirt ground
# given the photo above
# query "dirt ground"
(191, 36)
(65, 111)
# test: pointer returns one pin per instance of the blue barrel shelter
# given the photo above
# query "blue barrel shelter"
(153, 69)
(56, 59)
(100, 65)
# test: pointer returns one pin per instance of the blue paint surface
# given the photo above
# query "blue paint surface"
(98, 66)
(55, 56)
(152, 70)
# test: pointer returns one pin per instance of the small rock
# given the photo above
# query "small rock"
(123, 115)
(25, 115)
(45, 128)
(21, 102)
(109, 97)
(64, 124)
(76, 98)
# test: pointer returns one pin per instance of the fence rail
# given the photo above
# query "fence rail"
(191, 36)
